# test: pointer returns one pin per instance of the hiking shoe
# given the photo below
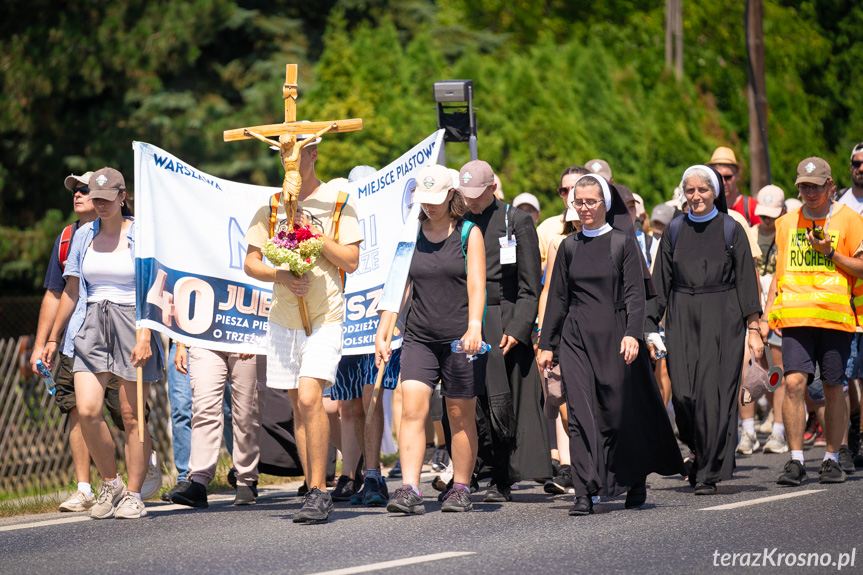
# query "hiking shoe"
(180, 486)
(396, 471)
(78, 501)
(153, 480)
(776, 444)
(375, 493)
(457, 500)
(317, 507)
(830, 472)
(195, 495)
(406, 500)
(130, 507)
(245, 496)
(767, 425)
(345, 488)
(812, 430)
(440, 459)
(794, 474)
(498, 494)
(106, 502)
(562, 483)
(846, 459)
(748, 444)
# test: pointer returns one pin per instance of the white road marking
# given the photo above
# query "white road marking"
(47, 523)
(762, 500)
(394, 563)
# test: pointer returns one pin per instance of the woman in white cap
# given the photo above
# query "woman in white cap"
(447, 301)
(98, 305)
(707, 285)
(619, 431)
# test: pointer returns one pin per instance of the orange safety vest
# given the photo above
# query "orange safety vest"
(811, 290)
(341, 200)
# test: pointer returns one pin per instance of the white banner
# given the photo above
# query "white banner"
(190, 250)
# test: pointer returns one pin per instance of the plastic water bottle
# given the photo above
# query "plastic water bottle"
(456, 347)
(46, 375)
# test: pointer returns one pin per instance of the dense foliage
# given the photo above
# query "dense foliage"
(556, 82)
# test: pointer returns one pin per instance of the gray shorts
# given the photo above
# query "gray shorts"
(105, 341)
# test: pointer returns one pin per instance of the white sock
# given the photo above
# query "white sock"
(85, 488)
(833, 456)
(797, 456)
(779, 429)
(138, 495)
(115, 482)
(749, 426)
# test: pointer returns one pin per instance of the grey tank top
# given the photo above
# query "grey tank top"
(439, 303)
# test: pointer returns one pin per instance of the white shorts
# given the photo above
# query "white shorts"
(291, 354)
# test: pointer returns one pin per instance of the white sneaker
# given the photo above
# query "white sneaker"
(776, 444)
(130, 507)
(153, 481)
(107, 501)
(767, 425)
(78, 501)
(748, 444)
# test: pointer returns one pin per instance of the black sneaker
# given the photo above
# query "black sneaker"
(316, 509)
(345, 489)
(705, 488)
(303, 490)
(405, 500)
(636, 496)
(846, 459)
(232, 477)
(794, 474)
(195, 495)
(245, 495)
(375, 493)
(562, 483)
(440, 459)
(498, 494)
(180, 486)
(583, 506)
(457, 500)
(830, 472)
(396, 471)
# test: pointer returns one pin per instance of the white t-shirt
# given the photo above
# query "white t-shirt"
(850, 200)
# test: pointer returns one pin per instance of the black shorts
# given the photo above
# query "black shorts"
(64, 394)
(803, 347)
(432, 362)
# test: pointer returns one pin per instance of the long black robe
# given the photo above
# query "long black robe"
(619, 430)
(512, 296)
(705, 334)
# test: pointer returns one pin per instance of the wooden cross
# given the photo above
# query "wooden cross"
(290, 125)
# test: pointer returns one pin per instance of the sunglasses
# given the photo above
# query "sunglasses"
(856, 164)
(728, 177)
(562, 191)
(83, 190)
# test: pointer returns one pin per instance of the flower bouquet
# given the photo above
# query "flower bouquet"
(297, 251)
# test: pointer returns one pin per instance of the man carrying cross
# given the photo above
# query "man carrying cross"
(306, 365)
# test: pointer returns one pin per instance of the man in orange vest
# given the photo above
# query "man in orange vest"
(820, 255)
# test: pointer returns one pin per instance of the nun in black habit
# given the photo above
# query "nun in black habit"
(619, 430)
(707, 287)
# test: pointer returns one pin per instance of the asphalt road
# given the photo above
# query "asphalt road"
(675, 532)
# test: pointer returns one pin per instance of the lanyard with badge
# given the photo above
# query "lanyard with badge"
(507, 243)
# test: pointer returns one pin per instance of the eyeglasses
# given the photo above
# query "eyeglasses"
(562, 191)
(856, 164)
(83, 190)
(589, 203)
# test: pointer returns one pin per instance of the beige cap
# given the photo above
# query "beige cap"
(792, 204)
(106, 183)
(599, 167)
(640, 212)
(72, 181)
(475, 176)
(813, 170)
(433, 183)
(723, 156)
(771, 201)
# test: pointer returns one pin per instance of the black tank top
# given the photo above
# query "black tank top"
(439, 304)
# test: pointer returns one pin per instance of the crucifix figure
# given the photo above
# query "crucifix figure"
(288, 146)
